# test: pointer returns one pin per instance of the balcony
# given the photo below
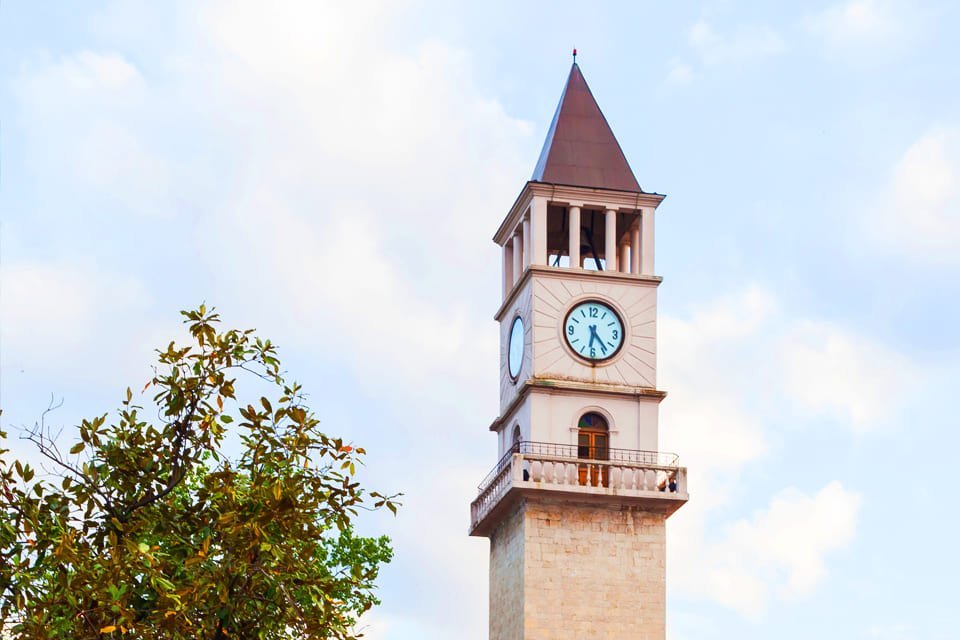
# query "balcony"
(648, 479)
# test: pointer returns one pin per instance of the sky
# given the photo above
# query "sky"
(332, 174)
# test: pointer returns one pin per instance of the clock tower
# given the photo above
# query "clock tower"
(576, 506)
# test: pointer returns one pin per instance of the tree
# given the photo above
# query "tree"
(149, 529)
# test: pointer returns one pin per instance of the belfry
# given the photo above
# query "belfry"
(576, 507)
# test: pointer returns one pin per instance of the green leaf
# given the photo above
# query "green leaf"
(165, 514)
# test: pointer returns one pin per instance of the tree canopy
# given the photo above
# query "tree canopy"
(149, 528)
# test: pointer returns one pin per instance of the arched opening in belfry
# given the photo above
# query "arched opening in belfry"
(515, 444)
(593, 443)
(583, 232)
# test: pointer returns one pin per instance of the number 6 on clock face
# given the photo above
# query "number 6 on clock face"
(593, 330)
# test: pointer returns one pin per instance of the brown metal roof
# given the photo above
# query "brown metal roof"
(580, 149)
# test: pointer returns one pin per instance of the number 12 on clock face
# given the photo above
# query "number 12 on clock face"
(593, 330)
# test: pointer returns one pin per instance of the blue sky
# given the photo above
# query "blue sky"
(332, 175)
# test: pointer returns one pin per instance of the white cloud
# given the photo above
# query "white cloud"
(918, 216)
(859, 23)
(83, 117)
(50, 311)
(361, 183)
(779, 552)
(372, 169)
(356, 183)
(745, 43)
(890, 632)
(679, 73)
(735, 368)
(703, 362)
(93, 74)
(830, 371)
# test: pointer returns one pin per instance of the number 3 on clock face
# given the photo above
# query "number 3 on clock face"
(593, 330)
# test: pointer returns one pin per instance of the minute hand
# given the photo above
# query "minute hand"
(594, 336)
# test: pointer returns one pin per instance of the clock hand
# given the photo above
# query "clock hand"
(594, 336)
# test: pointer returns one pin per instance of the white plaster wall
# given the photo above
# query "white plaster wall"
(521, 415)
(636, 302)
(521, 306)
(543, 302)
(553, 417)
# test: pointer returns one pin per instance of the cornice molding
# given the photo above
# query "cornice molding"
(568, 273)
(552, 386)
(566, 195)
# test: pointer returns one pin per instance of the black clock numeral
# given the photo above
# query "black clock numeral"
(570, 330)
(594, 312)
(616, 334)
(593, 352)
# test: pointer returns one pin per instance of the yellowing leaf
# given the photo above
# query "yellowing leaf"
(277, 491)
(169, 613)
(108, 629)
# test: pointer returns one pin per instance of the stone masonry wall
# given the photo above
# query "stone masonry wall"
(592, 571)
(563, 570)
(506, 578)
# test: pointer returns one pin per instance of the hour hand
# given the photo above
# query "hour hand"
(594, 336)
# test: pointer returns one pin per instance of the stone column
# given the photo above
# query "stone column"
(635, 248)
(538, 223)
(624, 263)
(610, 237)
(517, 255)
(526, 242)
(646, 249)
(574, 224)
(507, 268)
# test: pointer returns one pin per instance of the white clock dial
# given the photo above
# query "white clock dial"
(593, 330)
(515, 348)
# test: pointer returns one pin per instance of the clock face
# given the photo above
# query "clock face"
(593, 330)
(515, 350)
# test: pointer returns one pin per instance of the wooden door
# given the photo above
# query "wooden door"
(593, 443)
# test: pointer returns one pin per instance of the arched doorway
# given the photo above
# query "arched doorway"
(593, 443)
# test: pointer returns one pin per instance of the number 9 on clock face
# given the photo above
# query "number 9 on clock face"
(593, 330)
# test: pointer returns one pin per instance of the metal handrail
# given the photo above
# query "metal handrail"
(571, 452)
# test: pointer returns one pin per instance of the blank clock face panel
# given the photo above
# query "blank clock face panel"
(515, 353)
(593, 331)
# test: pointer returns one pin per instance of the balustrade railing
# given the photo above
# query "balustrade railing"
(545, 465)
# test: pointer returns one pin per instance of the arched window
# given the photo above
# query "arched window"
(515, 445)
(593, 443)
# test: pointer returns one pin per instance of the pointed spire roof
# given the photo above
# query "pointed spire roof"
(580, 149)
